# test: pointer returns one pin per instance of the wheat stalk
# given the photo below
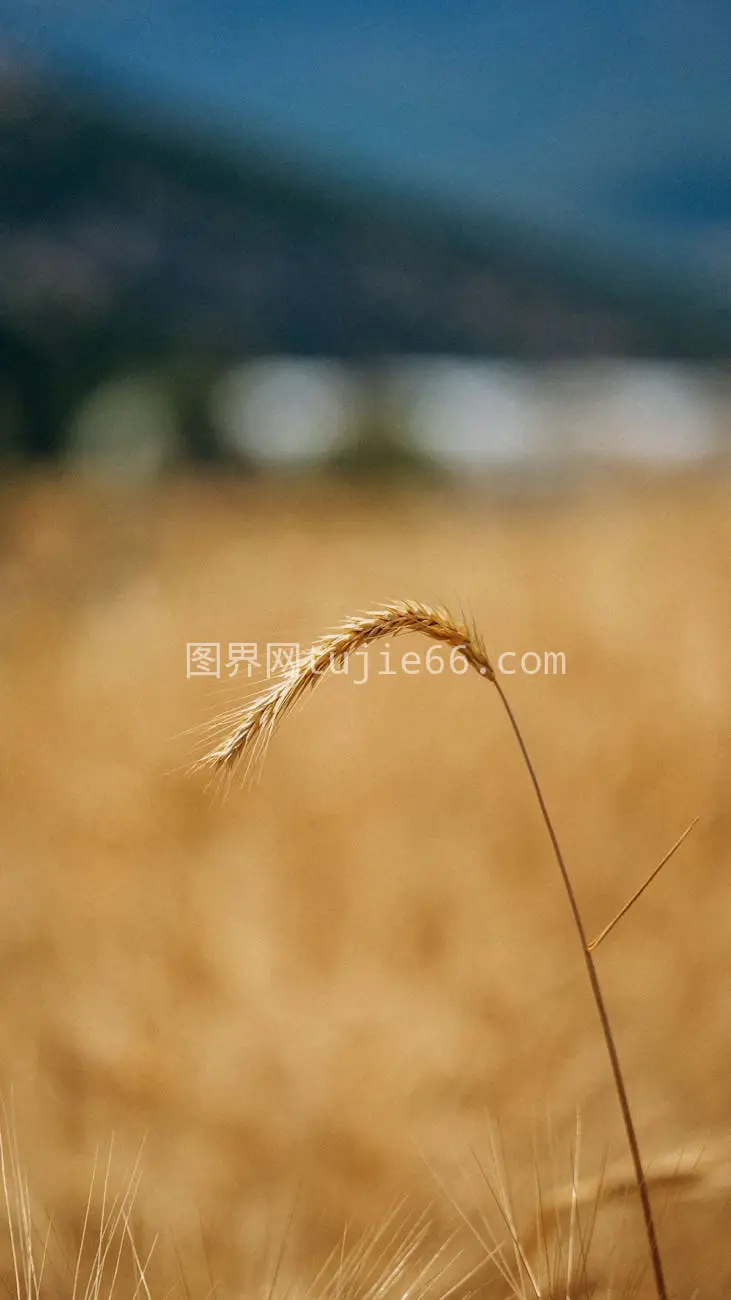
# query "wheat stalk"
(260, 719)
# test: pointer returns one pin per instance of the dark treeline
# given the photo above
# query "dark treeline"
(124, 248)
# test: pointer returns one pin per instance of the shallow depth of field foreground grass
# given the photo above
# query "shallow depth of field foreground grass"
(323, 992)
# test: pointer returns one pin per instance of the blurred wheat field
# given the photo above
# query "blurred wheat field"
(307, 987)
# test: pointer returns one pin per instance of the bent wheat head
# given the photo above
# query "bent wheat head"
(248, 741)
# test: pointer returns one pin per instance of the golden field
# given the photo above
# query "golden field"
(320, 991)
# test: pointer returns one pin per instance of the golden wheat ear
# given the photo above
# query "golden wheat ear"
(247, 743)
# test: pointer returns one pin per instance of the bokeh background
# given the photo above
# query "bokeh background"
(302, 310)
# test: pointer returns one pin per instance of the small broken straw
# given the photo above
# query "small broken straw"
(248, 742)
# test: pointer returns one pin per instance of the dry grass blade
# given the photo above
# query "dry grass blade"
(645, 885)
(498, 1185)
(574, 1205)
(29, 1248)
(544, 1260)
(388, 1260)
(247, 742)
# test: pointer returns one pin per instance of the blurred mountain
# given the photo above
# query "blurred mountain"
(689, 199)
(122, 242)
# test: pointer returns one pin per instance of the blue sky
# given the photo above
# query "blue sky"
(609, 117)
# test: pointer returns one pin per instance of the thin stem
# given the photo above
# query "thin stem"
(639, 892)
(600, 1004)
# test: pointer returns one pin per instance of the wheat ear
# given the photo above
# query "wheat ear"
(248, 741)
(261, 718)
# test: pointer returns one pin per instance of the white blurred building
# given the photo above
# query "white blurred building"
(283, 411)
(126, 430)
(478, 417)
(474, 416)
(639, 413)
